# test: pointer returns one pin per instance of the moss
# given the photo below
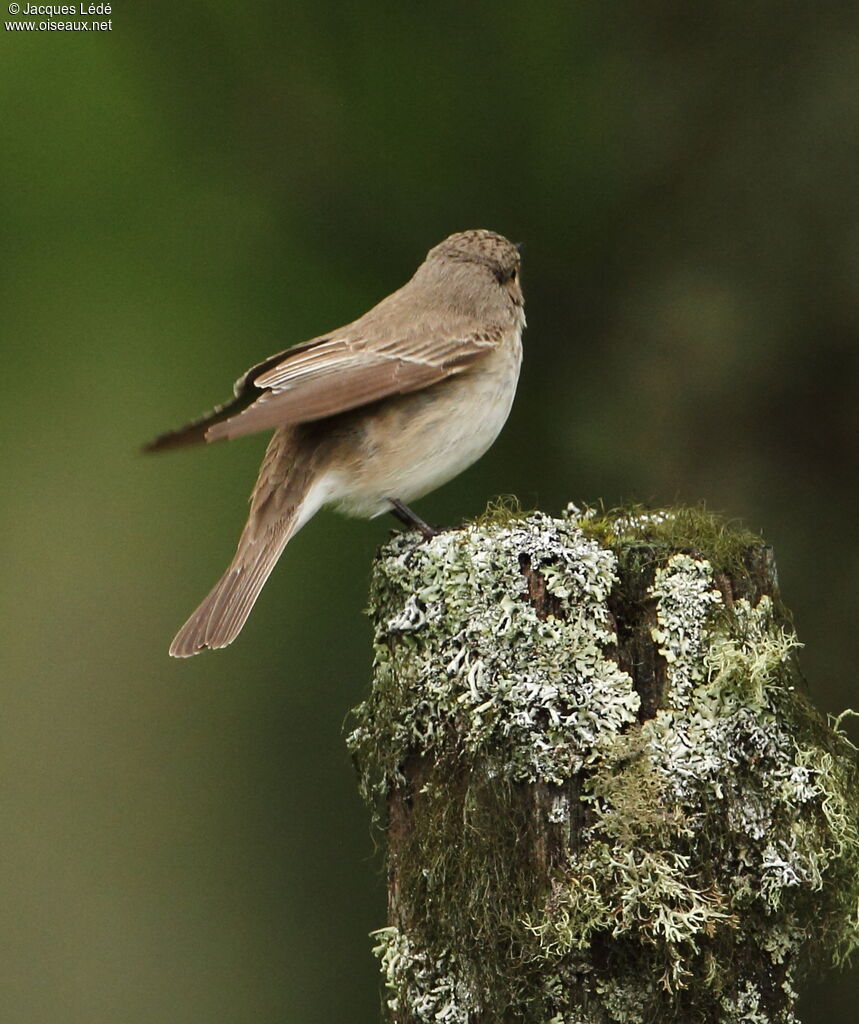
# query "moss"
(505, 510)
(695, 530)
(715, 834)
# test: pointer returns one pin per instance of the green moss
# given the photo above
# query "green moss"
(695, 530)
(505, 510)
(716, 840)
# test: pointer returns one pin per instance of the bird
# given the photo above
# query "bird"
(369, 416)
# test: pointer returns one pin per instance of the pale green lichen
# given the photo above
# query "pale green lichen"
(464, 648)
(685, 595)
(720, 841)
(424, 987)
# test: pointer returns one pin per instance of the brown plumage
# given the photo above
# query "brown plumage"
(387, 407)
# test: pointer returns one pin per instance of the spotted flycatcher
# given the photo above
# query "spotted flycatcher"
(369, 416)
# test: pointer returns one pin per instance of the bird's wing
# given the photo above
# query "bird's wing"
(336, 373)
(245, 393)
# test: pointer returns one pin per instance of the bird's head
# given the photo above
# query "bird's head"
(479, 258)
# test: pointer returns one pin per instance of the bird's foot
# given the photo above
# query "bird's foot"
(410, 519)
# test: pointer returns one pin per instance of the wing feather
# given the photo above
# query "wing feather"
(337, 374)
(244, 394)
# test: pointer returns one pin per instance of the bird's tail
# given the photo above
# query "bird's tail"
(280, 505)
(219, 619)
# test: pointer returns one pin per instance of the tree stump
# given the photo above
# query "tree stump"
(605, 795)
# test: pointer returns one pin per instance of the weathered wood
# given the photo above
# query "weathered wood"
(604, 797)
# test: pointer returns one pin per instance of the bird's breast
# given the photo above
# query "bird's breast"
(406, 447)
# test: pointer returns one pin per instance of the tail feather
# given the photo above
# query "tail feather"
(223, 613)
(286, 495)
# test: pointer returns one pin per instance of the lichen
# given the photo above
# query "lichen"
(716, 839)
(457, 647)
(424, 986)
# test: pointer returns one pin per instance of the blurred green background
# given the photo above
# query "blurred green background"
(208, 183)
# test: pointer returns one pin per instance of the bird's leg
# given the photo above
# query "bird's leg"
(408, 518)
